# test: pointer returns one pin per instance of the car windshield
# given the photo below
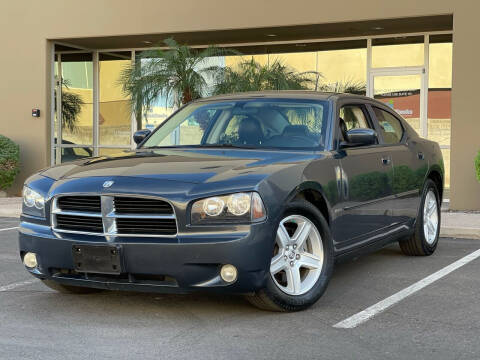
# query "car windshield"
(249, 123)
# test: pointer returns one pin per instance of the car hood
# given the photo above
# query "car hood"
(192, 165)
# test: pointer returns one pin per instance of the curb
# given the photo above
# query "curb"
(463, 233)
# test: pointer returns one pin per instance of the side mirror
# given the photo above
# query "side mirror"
(140, 135)
(360, 137)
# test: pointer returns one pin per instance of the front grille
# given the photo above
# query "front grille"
(79, 223)
(80, 203)
(132, 205)
(113, 215)
(147, 226)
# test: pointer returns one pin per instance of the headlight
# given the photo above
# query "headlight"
(238, 207)
(33, 202)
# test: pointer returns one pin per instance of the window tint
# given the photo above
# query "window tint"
(283, 123)
(390, 126)
(352, 117)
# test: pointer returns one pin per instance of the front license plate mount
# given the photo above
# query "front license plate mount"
(101, 259)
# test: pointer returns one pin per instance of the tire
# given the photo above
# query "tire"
(281, 294)
(419, 244)
(69, 289)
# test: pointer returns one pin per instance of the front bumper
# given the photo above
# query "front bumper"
(176, 265)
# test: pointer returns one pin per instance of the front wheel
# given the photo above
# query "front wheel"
(427, 228)
(302, 261)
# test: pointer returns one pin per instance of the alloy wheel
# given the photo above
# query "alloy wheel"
(298, 255)
(430, 217)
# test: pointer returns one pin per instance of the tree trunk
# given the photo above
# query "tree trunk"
(186, 96)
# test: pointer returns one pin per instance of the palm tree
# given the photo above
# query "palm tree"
(347, 86)
(71, 107)
(250, 75)
(177, 73)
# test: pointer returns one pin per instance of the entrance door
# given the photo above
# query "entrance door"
(73, 121)
(402, 89)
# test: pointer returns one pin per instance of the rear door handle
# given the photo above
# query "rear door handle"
(386, 160)
(421, 156)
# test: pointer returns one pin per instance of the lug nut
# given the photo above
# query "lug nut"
(291, 263)
(294, 246)
(285, 257)
(298, 256)
(286, 248)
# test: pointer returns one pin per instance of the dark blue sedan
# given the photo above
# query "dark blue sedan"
(256, 194)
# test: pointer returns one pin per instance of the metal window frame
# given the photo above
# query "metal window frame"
(369, 83)
(55, 157)
(422, 70)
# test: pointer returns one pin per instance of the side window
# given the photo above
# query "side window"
(352, 117)
(390, 126)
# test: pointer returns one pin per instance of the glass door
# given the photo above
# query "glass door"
(73, 122)
(402, 90)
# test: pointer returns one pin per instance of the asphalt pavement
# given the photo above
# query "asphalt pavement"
(440, 321)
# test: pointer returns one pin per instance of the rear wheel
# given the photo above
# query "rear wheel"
(302, 261)
(68, 289)
(427, 229)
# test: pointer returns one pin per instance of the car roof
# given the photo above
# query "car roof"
(287, 94)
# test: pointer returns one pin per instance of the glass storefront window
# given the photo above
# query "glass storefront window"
(439, 99)
(401, 93)
(114, 119)
(301, 62)
(343, 70)
(110, 151)
(395, 52)
(77, 98)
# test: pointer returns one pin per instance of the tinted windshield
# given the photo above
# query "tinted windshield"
(257, 123)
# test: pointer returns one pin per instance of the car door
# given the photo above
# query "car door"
(409, 164)
(366, 182)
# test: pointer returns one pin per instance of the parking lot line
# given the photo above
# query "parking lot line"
(17, 284)
(367, 314)
(11, 228)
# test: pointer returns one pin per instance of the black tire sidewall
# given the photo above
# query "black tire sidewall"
(299, 302)
(429, 185)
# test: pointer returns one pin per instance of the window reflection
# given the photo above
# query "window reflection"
(77, 98)
(114, 107)
(439, 99)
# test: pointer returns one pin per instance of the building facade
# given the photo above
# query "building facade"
(417, 57)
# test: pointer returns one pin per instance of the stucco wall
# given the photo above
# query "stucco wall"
(25, 27)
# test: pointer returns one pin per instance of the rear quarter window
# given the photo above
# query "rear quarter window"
(390, 127)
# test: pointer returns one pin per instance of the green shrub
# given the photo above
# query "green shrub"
(477, 166)
(9, 161)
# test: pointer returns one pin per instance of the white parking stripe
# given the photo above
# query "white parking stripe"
(367, 314)
(12, 228)
(17, 284)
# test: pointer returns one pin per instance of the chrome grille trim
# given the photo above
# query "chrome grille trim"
(109, 216)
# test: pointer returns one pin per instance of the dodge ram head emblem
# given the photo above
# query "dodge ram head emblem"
(107, 184)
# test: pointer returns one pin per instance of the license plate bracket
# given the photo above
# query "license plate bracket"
(102, 259)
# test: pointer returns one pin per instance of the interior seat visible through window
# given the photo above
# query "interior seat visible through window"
(352, 117)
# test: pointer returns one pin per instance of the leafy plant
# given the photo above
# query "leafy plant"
(348, 86)
(477, 166)
(250, 75)
(9, 162)
(71, 107)
(177, 73)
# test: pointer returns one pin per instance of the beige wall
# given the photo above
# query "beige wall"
(26, 25)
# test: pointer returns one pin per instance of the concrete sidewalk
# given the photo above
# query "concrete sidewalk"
(454, 224)
(10, 206)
